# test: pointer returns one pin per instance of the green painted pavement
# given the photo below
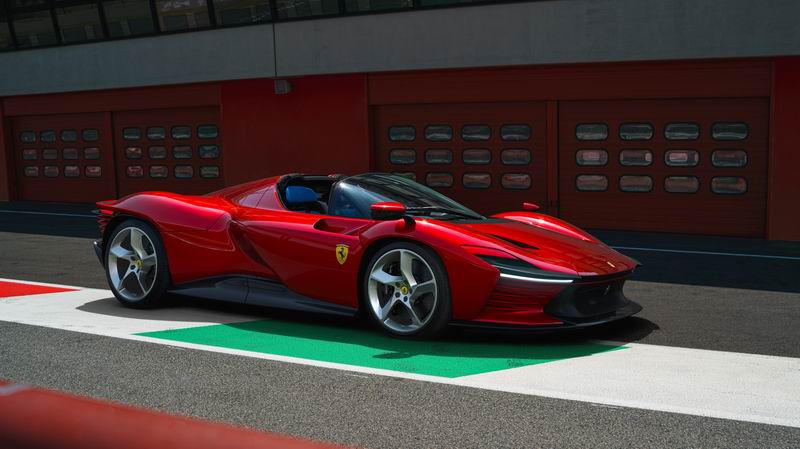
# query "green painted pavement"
(370, 349)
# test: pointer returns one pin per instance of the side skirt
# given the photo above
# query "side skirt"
(258, 292)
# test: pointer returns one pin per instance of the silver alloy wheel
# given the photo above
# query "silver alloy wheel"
(132, 264)
(402, 291)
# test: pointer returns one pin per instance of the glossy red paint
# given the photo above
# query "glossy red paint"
(530, 207)
(549, 223)
(516, 303)
(387, 210)
(246, 231)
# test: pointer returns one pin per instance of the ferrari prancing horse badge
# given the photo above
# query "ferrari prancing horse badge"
(341, 253)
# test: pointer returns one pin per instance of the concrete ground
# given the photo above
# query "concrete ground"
(745, 300)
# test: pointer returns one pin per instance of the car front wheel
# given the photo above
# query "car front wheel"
(406, 291)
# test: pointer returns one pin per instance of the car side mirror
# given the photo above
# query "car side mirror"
(387, 210)
(530, 207)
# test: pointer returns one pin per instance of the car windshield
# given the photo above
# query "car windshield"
(353, 196)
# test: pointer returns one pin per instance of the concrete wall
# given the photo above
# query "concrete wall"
(233, 53)
(544, 32)
(541, 32)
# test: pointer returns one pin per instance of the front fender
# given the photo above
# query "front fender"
(471, 281)
(549, 223)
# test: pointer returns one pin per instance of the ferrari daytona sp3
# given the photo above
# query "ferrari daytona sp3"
(409, 258)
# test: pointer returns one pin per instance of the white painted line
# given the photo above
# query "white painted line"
(44, 284)
(97, 312)
(705, 253)
(742, 387)
(46, 213)
(727, 385)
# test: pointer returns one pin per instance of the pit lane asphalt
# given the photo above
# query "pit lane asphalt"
(758, 315)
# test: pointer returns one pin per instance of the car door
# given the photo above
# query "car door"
(313, 255)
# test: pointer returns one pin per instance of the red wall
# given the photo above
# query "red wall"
(629, 80)
(322, 126)
(783, 214)
(183, 96)
(5, 159)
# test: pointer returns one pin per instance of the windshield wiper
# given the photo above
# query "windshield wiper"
(444, 210)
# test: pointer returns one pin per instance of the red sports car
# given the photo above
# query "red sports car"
(406, 256)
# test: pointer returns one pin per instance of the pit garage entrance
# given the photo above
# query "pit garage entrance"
(689, 166)
(695, 166)
(95, 156)
(177, 150)
(65, 157)
(488, 156)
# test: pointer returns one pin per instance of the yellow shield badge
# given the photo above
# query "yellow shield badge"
(341, 253)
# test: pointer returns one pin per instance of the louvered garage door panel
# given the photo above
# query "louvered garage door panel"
(64, 157)
(178, 150)
(489, 156)
(688, 166)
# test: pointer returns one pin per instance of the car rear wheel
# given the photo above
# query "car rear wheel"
(406, 291)
(136, 265)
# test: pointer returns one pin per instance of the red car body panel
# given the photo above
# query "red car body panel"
(246, 231)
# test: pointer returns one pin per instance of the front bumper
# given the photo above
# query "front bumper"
(585, 302)
(632, 308)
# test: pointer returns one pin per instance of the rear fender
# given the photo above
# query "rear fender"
(169, 212)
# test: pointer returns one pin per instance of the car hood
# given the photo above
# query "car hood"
(554, 251)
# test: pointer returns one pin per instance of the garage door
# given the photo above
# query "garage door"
(178, 150)
(689, 166)
(490, 157)
(63, 158)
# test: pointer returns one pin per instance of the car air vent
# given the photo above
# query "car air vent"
(515, 242)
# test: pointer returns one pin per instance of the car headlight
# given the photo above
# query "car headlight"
(516, 269)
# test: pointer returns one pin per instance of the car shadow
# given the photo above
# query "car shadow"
(328, 327)
(473, 347)
(628, 330)
(261, 326)
(354, 341)
(189, 310)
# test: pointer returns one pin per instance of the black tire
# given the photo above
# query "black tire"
(440, 314)
(157, 293)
